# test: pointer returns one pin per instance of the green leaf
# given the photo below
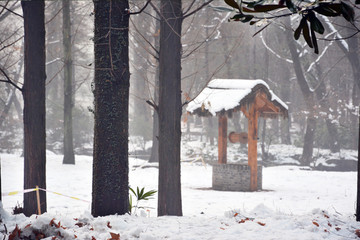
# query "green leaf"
(149, 194)
(290, 5)
(132, 190)
(306, 34)
(267, 8)
(242, 17)
(247, 18)
(314, 40)
(325, 10)
(253, 4)
(299, 28)
(315, 23)
(130, 203)
(347, 12)
(253, 22)
(222, 9)
(232, 3)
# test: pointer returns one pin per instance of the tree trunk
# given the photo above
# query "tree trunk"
(111, 97)
(154, 157)
(264, 153)
(358, 179)
(306, 157)
(34, 104)
(169, 195)
(69, 157)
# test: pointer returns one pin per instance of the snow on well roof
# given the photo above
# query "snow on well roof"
(227, 94)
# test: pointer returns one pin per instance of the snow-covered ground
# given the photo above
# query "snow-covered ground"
(295, 204)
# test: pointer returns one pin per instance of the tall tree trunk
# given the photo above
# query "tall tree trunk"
(154, 157)
(69, 157)
(34, 104)
(358, 179)
(111, 96)
(308, 147)
(169, 195)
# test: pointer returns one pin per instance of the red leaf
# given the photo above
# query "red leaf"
(261, 224)
(329, 224)
(326, 216)
(315, 223)
(337, 229)
(242, 221)
(357, 232)
(92, 238)
(91, 229)
(222, 228)
(27, 226)
(114, 236)
(53, 224)
(79, 224)
(75, 236)
(15, 233)
(108, 225)
(236, 214)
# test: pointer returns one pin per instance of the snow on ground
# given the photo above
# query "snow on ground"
(295, 204)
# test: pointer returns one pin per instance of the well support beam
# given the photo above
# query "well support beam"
(252, 145)
(222, 139)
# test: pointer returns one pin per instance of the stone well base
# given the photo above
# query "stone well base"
(233, 177)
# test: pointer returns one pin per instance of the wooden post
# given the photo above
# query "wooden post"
(252, 146)
(222, 139)
(38, 199)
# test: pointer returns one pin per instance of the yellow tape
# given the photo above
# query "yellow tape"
(17, 192)
(35, 189)
(75, 198)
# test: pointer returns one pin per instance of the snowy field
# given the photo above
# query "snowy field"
(295, 204)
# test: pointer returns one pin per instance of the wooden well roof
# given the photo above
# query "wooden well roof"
(228, 95)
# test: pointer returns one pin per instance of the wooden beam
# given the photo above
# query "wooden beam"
(252, 145)
(222, 139)
(267, 103)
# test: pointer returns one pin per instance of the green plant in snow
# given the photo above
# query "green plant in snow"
(139, 195)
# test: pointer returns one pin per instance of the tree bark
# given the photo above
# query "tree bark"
(170, 107)
(308, 147)
(69, 157)
(154, 157)
(358, 179)
(111, 97)
(34, 104)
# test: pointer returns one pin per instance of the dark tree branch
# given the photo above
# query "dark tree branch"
(190, 6)
(144, 38)
(197, 9)
(8, 9)
(141, 10)
(155, 9)
(10, 44)
(8, 80)
(153, 105)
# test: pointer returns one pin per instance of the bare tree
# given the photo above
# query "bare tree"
(34, 104)
(110, 164)
(69, 156)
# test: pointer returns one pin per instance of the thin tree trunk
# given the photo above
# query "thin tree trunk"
(69, 157)
(111, 96)
(358, 179)
(170, 107)
(264, 154)
(154, 157)
(34, 104)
